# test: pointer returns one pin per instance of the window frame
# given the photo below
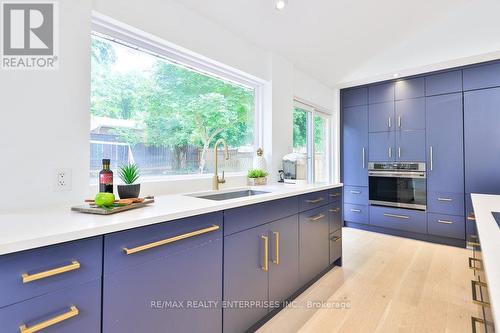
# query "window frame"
(115, 31)
(312, 112)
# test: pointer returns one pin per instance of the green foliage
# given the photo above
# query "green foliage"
(300, 130)
(256, 173)
(129, 173)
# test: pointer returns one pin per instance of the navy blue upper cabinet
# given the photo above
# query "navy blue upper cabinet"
(482, 140)
(482, 76)
(355, 145)
(381, 93)
(410, 114)
(381, 117)
(354, 97)
(382, 147)
(443, 83)
(444, 135)
(410, 88)
(410, 146)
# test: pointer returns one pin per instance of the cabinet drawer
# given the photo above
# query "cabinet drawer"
(75, 310)
(335, 194)
(482, 76)
(313, 200)
(356, 213)
(36, 272)
(246, 217)
(446, 225)
(443, 83)
(335, 215)
(401, 219)
(160, 240)
(335, 245)
(445, 203)
(356, 195)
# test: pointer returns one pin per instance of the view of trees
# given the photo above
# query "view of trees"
(300, 130)
(173, 106)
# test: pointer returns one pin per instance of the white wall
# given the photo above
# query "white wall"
(45, 118)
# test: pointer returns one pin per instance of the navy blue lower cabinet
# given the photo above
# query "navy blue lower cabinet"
(335, 216)
(400, 219)
(382, 147)
(356, 213)
(76, 310)
(156, 291)
(245, 277)
(335, 246)
(283, 258)
(314, 230)
(446, 225)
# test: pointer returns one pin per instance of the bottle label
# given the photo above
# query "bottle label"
(106, 178)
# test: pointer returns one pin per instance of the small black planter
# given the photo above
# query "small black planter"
(129, 191)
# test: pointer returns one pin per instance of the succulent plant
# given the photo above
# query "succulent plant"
(129, 173)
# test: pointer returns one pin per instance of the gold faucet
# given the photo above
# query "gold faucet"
(216, 179)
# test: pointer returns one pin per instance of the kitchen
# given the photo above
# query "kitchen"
(334, 175)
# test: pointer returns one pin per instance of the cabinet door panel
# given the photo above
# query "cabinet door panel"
(410, 114)
(313, 243)
(355, 144)
(354, 97)
(444, 134)
(194, 274)
(381, 117)
(284, 258)
(335, 216)
(410, 146)
(244, 277)
(381, 93)
(482, 76)
(410, 88)
(443, 83)
(382, 147)
(482, 141)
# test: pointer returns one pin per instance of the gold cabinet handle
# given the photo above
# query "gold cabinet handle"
(334, 210)
(170, 240)
(73, 312)
(475, 320)
(473, 266)
(276, 259)
(471, 216)
(334, 195)
(473, 244)
(56, 271)
(336, 238)
(265, 267)
(315, 201)
(317, 218)
(475, 299)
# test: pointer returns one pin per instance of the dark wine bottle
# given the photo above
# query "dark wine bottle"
(106, 177)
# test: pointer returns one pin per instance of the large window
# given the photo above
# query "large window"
(311, 133)
(165, 116)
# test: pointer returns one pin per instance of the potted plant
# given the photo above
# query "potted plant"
(257, 177)
(129, 174)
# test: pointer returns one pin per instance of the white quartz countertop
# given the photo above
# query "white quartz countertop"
(489, 236)
(28, 230)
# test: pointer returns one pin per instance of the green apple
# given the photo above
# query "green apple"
(104, 199)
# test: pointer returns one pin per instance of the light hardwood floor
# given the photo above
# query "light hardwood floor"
(392, 284)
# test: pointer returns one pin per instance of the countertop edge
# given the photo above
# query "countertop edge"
(28, 243)
(489, 237)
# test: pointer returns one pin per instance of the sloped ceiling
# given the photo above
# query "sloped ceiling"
(342, 42)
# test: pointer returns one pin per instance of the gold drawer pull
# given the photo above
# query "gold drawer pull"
(170, 240)
(445, 222)
(445, 199)
(315, 201)
(404, 217)
(336, 238)
(44, 324)
(473, 266)
(473, 244)
(475, 320)
(265, 267)
(276, 259)
(334, 210)
(42, 275)
(475, 298)
(334, 195)
(471, 217)
(317, 218)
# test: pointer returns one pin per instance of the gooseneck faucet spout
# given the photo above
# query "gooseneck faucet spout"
(216, 179)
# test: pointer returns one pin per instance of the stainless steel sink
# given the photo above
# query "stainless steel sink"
(228, 195)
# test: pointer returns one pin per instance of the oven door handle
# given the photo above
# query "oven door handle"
(397, 175)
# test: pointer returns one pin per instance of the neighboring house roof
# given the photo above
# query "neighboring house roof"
(99, 122)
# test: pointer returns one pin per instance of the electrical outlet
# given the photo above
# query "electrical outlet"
(62, 180)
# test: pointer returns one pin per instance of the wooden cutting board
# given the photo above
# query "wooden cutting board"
(91, 208)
